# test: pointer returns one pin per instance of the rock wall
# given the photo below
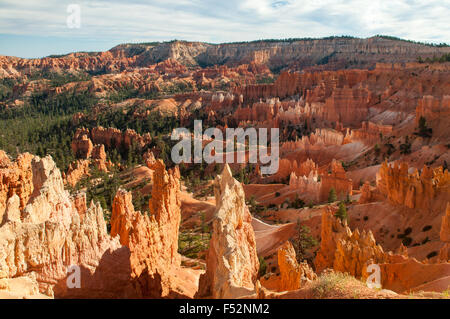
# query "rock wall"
(332, 230)
(336, 179)
(381, 98)
(436, 111)
(82, 145)
(96, 156)
(369, 133)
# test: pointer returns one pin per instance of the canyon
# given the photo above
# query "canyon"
(89, 188)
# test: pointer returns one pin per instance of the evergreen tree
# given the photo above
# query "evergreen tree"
(342, 212)
(332, 197)
(262, 266)
(303, 241)
(423, 129)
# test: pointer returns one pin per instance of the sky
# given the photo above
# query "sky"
(33, 28)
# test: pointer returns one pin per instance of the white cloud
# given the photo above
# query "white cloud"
(232, 20)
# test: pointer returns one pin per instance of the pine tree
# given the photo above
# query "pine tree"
(424, 130)
(332, 197)
(342, 212)
(262, 266)
(303, 242)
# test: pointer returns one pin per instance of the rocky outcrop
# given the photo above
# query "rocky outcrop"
(445, 226)
(337, 180)
(331, 232)
(308, 187)
(316, 188)
(153, 239)
(366, 194)
(436, 112)
(344, 250)
(287, 167)
(24, 287)
(293, 275)
(82, 145)
(84, 140)
(15, 178)
(396, 275)
(428, 190)
(111, 137)
(369, 133)
(351, 252)
(355, 252)
(76, 171)
(54, 232)
(232, 263)
(81, 167)
(320, 137)
(98, 152)
(369, 103)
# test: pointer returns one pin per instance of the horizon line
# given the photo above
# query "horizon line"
(330, 37)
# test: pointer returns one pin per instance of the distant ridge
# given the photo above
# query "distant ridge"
(330, 53)
(290, 40)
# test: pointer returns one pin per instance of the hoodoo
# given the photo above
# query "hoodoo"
(231, 262)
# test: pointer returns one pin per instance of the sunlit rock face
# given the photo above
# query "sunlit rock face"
(153, 239)
(427, 190)
(52, 232)
(352, 252)
(293, 275)
(232, 263)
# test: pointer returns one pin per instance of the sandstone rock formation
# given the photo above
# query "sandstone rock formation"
(366, 194)
(52, 232)
(153, 239)
(24, 287)
(232, 263)
(428, 190)
(445, 227)
(357, 251)
(436, 112)
(84, 140)
(331, 232)
(331, 112)
(300, 53)
(309, 187)
(292, 274)
(16, 178)
(82, 146)
(337, 180)
(77, 171)
(351, 252)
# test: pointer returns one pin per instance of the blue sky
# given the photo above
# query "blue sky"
(32, 28)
